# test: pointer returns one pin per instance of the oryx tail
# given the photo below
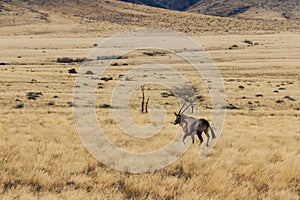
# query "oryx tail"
(212, 132)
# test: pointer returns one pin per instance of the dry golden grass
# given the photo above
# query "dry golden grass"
(42, 157)
(257, 155)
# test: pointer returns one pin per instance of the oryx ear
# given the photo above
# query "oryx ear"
(175, 113)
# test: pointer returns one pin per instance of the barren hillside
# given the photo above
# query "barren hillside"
(113, 16)
(173, 4)
(252, 9)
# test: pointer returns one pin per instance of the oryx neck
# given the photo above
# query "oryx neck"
(183, 117)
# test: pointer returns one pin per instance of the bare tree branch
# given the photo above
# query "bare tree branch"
(146, 106)
(187, 94)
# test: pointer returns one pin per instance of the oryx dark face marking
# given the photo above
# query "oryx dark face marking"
(178, 118)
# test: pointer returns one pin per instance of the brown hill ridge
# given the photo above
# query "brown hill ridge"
(114, 16)
(252, 9)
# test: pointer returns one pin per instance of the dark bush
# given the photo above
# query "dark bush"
(112, 57)
(33, 95)
(106, 79)
(89, 72)
(105, 106)
(248, 42)
(69, 60)
(72, 71)
(289, 98)
(233, 47)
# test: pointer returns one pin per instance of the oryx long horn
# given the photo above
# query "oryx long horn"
(181, 108)
(186, 108)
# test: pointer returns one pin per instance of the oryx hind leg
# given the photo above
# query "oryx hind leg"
(193, 137)
(207, 135)
(199, 134)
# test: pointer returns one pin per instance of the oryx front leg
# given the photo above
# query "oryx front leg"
(185, 135)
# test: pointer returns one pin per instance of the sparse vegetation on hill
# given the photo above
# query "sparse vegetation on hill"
(288, 9)
(264, 9)
(173, 4)
(80, 14)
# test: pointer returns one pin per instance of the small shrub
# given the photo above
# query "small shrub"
(179, 172)
(19, 106)
(89, 72)
(69, 60)
(64, 60)
(100, 86)
(231, 107)
(153, 53)
(119, 184)
(166, 94)
(279, 101)
(72, 71)
(114, 64)
(233, 47)
(285, 15)
(105, 106)
(106, 79)
(128, 79)
(248, 42)
(33, 95)
(108, 57)
(70, 104)
(289, 98)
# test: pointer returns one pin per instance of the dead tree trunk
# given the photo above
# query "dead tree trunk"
(144, 106)
(143, 97)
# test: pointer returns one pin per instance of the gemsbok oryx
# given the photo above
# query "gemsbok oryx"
(192, 126)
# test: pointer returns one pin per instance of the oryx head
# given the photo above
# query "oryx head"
(179, 114)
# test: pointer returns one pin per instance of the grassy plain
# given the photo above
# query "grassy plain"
(42, 157)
